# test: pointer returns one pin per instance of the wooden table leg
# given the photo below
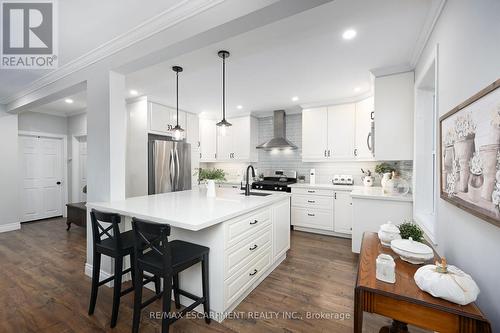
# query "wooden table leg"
(396, 327)
(68, 223)
(358, 310)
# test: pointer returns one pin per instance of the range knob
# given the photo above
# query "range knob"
(281, 188)
(275, 188)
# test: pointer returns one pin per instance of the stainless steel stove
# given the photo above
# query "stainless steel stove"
(277, 181)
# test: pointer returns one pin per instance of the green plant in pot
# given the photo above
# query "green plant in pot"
(211, 176)
(411, 229)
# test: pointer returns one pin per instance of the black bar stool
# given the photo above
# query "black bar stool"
(117, 245)
(156, 255)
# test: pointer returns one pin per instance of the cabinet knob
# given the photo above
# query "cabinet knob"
(253, 247)
(309, 214)
(311, 201)
(253, 273)
(311, 191)
(254, 222)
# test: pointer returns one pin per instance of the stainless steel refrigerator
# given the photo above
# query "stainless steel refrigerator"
(169, 165)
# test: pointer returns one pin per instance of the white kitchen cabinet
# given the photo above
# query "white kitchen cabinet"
(369, 214)
(193, 130)
(281, 228)
(343, 212)
(314, 134)
(364, 115)
(162, 119)
(394, 116)
(341, 127)
(238, 142)
(208, 140)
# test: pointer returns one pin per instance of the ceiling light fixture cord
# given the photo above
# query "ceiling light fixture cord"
(177, 95)
(223, 123)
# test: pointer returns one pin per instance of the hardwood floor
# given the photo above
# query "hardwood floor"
(43, 288)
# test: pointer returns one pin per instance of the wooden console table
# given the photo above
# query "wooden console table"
(404, 302)
(77, 214)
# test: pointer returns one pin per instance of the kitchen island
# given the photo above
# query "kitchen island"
(248, 236)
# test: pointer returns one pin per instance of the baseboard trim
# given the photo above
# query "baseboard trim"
(322, 232)
(10, 227)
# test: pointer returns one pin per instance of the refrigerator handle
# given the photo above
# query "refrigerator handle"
(172, 169)
(177, 171)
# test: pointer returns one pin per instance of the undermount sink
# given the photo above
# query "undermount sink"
(258, 194)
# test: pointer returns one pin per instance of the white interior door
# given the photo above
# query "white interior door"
(41, 177)
(83, 167)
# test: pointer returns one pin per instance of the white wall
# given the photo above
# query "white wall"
(9, 209)
(468, 34)
(77, 126)
(40, 122)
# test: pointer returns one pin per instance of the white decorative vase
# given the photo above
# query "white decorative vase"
(368, 181)
(211, 188)
(385, 178)
(488, 154)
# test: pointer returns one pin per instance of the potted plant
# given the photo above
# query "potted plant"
(385, 170)
(210, 176)
(367, 177)
(409, 229)
(465, 131)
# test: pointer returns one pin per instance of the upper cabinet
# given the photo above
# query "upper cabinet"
(192, 130)
(163, 119)
(363, 142)
(328, 133)
(394, 116)
(208, 140)
(238, 142)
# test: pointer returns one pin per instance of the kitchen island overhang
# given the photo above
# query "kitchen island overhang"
(248, 237)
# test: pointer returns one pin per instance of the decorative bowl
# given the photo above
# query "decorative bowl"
(387, 233)
(411, 251)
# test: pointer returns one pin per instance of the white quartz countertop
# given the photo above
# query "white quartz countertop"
(326, 186)
(190, 210)
(377, 193)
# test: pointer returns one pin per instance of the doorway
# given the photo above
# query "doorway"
(41, 176)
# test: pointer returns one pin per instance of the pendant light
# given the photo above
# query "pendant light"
(177, 129)
(223, 124)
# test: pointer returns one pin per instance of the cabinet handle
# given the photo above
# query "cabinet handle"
(328, 152)
(355, 152)
(254, 222)
(372, 115)
(253, 247)
(200, 155)
(368, 141)
(199, 144)
(311, 191)
(309, 214)
(311, 201)
(335, 195)
(215, 155)
(253, 273)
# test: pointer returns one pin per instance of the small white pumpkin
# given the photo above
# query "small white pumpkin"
(447, 282)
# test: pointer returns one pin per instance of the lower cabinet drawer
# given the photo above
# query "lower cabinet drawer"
(312, 218)
(312, 201)
(239, 229)
(313, 191)
(242, 253)
(235, 286)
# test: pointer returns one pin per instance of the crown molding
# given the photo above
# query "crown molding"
(426, 33)
(164, 20)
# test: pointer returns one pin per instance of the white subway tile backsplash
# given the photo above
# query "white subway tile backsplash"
(292, 160)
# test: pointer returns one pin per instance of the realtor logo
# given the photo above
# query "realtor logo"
(28, 34)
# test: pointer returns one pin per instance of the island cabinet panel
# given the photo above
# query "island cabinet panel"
(244, 252)
(240, 229)
(281, 228)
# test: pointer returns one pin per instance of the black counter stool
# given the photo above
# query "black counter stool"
(117, 245)
(156, 255)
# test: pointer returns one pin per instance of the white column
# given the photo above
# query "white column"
(9, 194)
(106, 145)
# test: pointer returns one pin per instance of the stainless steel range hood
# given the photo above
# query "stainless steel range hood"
(279, 140)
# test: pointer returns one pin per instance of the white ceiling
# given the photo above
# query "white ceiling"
(63, 109)
(84, 26)
(303, 55)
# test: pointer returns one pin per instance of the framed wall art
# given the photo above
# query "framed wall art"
(470, 154)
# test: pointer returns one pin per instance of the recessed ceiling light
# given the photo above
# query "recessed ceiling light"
(349, 34)
(69, 100)
(295, 98)
(357, 89)
(133, 92)
(239, 107)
